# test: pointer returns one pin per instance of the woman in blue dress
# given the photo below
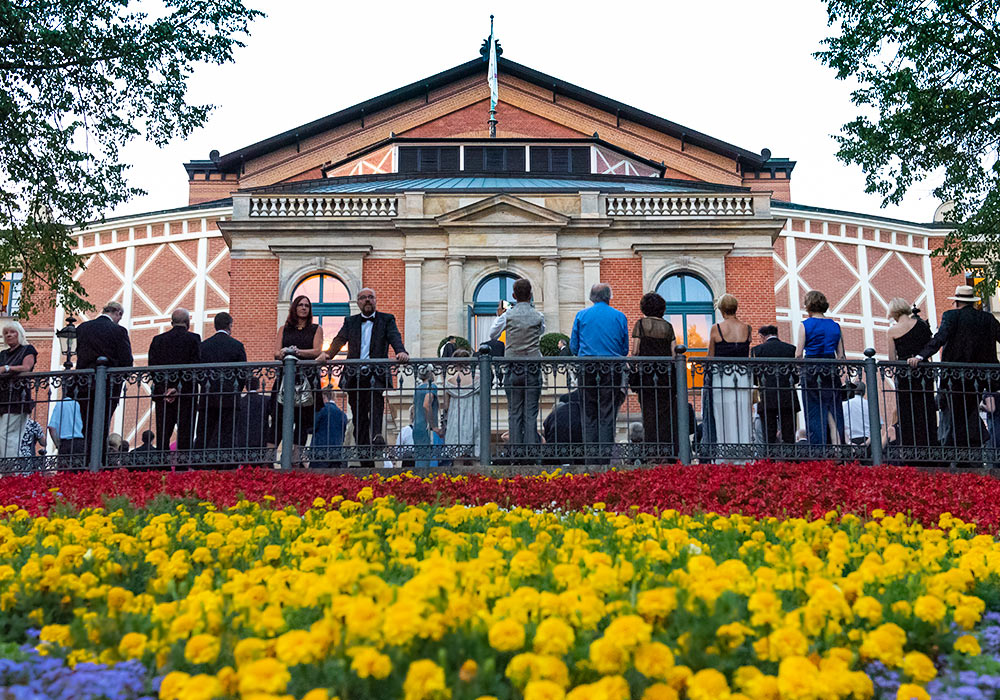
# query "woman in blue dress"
(820, 337)
(425, 417)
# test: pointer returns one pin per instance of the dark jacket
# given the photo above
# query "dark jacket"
(967, 335)
(102, 337)
(385, 334)
(772, 347)
(223, 348)
(178, 346)
(252, 428)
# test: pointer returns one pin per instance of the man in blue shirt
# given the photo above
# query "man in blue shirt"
(328, 430)
(600, 331)
(65, 425)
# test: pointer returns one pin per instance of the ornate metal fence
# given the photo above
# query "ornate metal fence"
(481, 411)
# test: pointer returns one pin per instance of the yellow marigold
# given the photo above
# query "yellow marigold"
(656, 603)
(885, 644)
(543, 690)
(629, 631)
(607, 688)
(553, 636)
(172, 685)
(785, 642)
(967, 644)
(317, 694)
(467, 672)
(55, 634)
(659, 691)
(798, 679)
(918, 667)
(654, 660)
(910, 691)
(263, 676)
(249, 649)
(733, 635)
(869, 609)
(202, 649)
(369, 662)
(118, 597)
(608, 657)
(708, 684)
(295, 647)
(132, 645)
(507, 635)
(930, 609)
(966, 616)
(201, 687)
(424, 679)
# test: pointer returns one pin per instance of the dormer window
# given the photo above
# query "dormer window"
(573, 160)
(428, 159)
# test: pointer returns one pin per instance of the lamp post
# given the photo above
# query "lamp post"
(67, 341)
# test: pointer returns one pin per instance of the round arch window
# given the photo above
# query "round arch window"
(331, 302)
(487, 297)
(690, 309)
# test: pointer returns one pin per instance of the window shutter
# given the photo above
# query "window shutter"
(474, 158)
(408, 160)
(448, 160)
(579, 160)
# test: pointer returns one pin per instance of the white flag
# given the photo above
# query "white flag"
(491, 77)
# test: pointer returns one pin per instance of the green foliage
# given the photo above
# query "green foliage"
(549, 343)
(929, 94)
(459, 342)
(78, 81)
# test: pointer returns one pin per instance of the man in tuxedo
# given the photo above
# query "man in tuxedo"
(967, 335)
(778, 402)
(220, 396)
(368, 335)
(173, 398)
(102, 337)
(252, 417)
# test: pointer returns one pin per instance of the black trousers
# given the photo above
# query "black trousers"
(778, 411)
(216, 424)
(168, 415)
(367, 407)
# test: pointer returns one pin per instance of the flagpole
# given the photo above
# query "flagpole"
(492, 78)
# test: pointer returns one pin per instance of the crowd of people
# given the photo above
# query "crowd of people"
(738, 404)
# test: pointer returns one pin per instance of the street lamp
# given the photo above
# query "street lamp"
(67, 341)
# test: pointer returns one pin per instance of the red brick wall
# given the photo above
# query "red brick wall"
(388, 279)
(511, 122)
(625, 277)
(944, 285)
(201, 190)
(253, 293)
(751, 281)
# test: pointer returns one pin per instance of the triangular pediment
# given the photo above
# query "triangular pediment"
(503, 210)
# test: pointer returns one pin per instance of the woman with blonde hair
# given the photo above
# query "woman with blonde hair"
(916, 409)
(821, 338)
(730, 337)
(15, 395)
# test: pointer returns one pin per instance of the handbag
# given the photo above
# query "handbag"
(303, 393)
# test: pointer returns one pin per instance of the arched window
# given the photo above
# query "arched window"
(690, 309)
(330, 302)
(488, 295)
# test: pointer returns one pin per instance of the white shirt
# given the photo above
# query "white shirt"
(405, 436)
(500, 324)
(366, 336)
(856, 417)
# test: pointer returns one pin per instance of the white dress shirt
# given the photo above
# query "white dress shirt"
(500, 324)
(366, 336)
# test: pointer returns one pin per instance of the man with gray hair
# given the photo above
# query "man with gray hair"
(102, 337)
(172, 398)
(600, 331)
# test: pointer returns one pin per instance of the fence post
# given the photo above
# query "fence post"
(485, 404)
(871, 391)
(288, 410)
(683, 424)
(99, 393)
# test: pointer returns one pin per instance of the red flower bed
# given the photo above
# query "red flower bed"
(762, 489)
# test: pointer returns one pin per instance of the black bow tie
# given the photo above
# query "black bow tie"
(368, 319)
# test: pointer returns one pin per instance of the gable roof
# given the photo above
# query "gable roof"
(231, 162)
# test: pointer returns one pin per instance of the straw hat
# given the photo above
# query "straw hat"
(964, 292)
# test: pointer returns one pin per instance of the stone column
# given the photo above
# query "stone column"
(414, 301)
(550, 290)
(456, 307)
(591, 275)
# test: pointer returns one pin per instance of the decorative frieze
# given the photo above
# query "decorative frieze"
(680, 205)
(323, 206)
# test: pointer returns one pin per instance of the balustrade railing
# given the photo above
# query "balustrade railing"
(485, 411)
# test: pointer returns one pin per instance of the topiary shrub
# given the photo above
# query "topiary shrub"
(459, 343)
(549, 343)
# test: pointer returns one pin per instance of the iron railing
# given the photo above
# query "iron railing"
(483, 411)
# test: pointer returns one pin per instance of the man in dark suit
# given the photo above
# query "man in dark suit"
(966, 335)
(173, 398)
(778, 403)
(368, 335)
(449, 347)
(102, 337)
(252, 417)
(220, 395)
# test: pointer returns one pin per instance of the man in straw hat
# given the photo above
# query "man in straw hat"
(966, 335)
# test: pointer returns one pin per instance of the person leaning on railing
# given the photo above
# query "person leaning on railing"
(820, 337)
(303, 339)
(15, 400)
(652, 336)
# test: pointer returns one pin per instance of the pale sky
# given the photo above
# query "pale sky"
(740, 71)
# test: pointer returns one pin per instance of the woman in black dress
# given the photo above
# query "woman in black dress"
(917, 412)
(652, 336)
(303, 339)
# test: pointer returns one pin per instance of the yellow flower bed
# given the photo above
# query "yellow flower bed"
(372, 598)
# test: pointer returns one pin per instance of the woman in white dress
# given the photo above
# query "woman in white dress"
(731, 390)
(461, 401)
